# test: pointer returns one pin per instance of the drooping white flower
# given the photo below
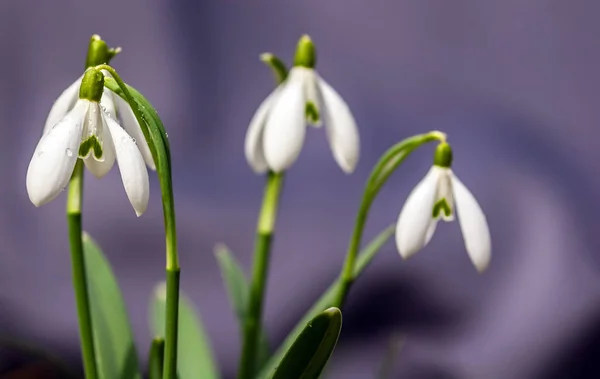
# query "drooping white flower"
(114, 106)
(438, 196)
(277, 130)
(87, 131)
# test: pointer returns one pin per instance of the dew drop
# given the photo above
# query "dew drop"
(167, 135)
(133, 139)
(69, 153)
(40, 153)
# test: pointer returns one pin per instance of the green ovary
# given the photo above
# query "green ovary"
(441, 205)
(91, 144)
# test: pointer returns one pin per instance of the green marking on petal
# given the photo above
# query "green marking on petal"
(312, 112)
(92, 143)
(441, 205)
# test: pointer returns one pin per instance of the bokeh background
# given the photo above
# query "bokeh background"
(514, 83)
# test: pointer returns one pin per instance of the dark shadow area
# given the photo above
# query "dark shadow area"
(579, 361)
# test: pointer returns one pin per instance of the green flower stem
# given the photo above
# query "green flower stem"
(156, 358)
(172, 324)
(266, 224)
(74, 201)
(163, 164)
(387, 164)
(98, 53)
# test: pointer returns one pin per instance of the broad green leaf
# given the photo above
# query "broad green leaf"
(195, 359)
(238, 290)
(310, 352)
(155, 358)
(116, 356)
(363, 260)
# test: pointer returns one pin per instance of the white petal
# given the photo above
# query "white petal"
(131, 165)
(97, 168)
(55, 156)
(430, 231)
(253, 147)
(473, 225)
(414, 223)
(133, 128)
(108, 103)
(62, 105)
(444, 191)
(284, 132)
(341, 129)
(312, 94)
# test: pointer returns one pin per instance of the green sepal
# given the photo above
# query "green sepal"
(441, 205)
(310, 352)
(91, 144)
(328, 297)
(306, 55)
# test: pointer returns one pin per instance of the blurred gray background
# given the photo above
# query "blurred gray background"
(514, 83)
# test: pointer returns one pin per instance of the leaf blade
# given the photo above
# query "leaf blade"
(116, 356)
(237, 286)
(195, 358)
(310, 352)
(364, 258)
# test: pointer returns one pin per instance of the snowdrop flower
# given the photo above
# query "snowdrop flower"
(89, 132)
(437, 197)
(114, 106)
(276, 133)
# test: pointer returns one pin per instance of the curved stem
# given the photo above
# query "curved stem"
(266, 224)
(386, 165)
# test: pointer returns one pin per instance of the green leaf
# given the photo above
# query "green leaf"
(238, 290)
(310, 352)
(195, 359)
(363, 260)
(155, 358)
(116, 356)
(235, 280)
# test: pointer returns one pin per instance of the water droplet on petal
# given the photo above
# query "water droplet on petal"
(40, 153)
(69, 152)
(133, 139)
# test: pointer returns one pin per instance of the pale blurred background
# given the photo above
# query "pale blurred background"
(514, 83)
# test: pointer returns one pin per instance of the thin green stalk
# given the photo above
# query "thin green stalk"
(266, 224)
(163, 165)
(156, 357)
(172, 324)
(386, 165)
(74, 200)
